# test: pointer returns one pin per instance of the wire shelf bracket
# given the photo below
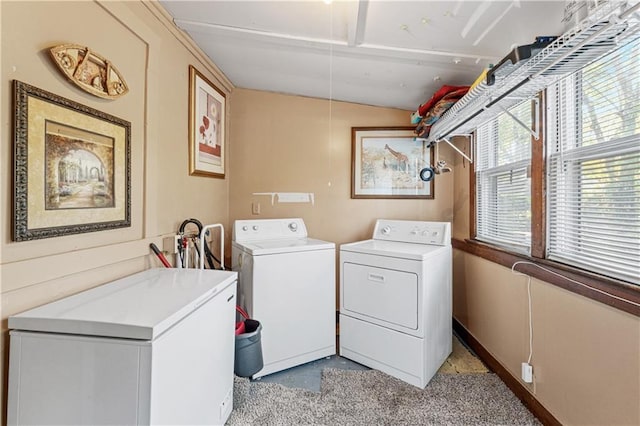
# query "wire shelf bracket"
(534, 133)
(448, 142)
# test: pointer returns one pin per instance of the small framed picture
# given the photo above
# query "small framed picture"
(386, 163)
(207, 106)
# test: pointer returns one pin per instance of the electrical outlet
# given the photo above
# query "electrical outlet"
(527, 373)
(255, 208)
(170, 244)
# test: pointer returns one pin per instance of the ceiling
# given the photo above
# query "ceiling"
(375, 52)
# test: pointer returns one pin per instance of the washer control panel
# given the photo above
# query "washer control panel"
(268, 229)
(410, 231)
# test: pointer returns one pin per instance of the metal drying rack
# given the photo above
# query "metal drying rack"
(607, 27)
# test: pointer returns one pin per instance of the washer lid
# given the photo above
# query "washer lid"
(411, 251)
(140, 306)
(258, 248)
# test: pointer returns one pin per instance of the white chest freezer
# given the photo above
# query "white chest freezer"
(156, 347)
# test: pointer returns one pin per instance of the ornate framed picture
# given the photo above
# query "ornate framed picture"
(386, 163)
(72, 167)
(207, 106)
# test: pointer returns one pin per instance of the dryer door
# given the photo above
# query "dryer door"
(384, 294)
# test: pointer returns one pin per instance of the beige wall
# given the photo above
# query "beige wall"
(586, 355)
(154, 63)
(285, 143)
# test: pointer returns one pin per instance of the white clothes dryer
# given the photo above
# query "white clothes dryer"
(396, 300)
(287, 282)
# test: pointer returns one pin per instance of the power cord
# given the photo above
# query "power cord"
(572, 280)
(524, 262)
(529, 302)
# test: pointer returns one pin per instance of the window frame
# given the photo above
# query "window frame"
(609, 291)
(497, 170)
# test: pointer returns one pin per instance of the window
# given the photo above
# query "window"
(589, 215)
(503, 190)
(593, 167)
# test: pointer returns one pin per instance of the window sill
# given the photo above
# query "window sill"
(593, 287)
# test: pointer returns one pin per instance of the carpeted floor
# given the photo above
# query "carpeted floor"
(309, 375)
(369, 397)
(463, 392)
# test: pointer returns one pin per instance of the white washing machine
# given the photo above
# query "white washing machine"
(395, 304)
(287, 282)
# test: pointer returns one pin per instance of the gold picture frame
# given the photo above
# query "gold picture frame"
(207, 113)
(386, 163)
(72, 167)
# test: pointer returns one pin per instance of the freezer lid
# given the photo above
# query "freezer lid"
(140, 306)
(409, 251)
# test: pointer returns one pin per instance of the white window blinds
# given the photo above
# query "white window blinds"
(503, 188)
(593, 167)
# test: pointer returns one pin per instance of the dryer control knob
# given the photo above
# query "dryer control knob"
(293, 226)
(245, 228)
(255, 227)
(386, 230)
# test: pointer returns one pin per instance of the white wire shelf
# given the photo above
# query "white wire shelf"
(611, 25)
